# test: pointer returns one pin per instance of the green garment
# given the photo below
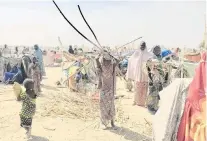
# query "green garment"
(28, 106)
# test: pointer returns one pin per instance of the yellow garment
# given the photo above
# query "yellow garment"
(18, 89)
(72, 72)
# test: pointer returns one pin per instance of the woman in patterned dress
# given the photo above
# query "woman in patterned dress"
(136, 71)
(107, 85)
(28, 98)
(35, 73)
(156, 80)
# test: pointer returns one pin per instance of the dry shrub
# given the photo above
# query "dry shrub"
(75, 106)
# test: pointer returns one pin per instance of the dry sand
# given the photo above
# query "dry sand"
(62, 128)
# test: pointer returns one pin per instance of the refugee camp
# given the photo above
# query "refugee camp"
(103, 71)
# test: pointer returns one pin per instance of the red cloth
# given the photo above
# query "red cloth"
(57, 56)
(193, 58)
(194, 115)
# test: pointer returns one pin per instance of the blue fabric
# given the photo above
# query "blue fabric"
(78, 76)
(166, 53)
(14, 70)
(38, 55)
(8, 76)
(124, 63)
(77, 63)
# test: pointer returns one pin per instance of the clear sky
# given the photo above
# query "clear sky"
(172, 24)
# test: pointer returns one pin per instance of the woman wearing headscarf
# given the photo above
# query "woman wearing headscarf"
(107, 84)
(137, 72)
(39, 56)
(156, 79)
(193, 123)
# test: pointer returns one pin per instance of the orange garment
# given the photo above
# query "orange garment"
(193, 123)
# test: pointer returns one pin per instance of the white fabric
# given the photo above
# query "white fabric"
(167, 119)
(136, 63)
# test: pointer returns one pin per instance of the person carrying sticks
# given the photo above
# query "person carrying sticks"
(107, 84)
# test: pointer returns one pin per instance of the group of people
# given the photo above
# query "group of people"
(149, 81)
(72, 51)
(149, 74)
(147, 71)
(75, 50)
(36, 68)
(30, 90)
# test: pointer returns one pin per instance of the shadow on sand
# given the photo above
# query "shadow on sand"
(37, 138)
(130, 135)
(49, 87)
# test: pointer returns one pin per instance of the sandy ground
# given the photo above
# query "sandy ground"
(67, 129)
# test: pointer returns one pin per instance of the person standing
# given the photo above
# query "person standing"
(107, 84)
(28, 98)
(136, 71)
(75, 51)
(158, 79)
(39, 56)
(70, 50)
(35, 74)
(16, 51)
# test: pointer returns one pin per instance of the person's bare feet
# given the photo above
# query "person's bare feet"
(114, 127)
(28, 133)
(103, 127)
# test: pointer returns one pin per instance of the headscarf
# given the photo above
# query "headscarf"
(36, 47)
(153, 50)
(38, 53)
(193, 122)
(135, 64)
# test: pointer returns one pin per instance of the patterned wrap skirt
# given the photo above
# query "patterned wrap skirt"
(25, 122)
(141, 89)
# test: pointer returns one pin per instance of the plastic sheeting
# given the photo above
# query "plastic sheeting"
(167, 119)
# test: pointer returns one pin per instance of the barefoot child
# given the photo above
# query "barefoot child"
(28, 98)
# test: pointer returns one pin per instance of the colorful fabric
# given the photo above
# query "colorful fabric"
(193, 122)
(28, 106)
(141, 89)
(72, 81)
(107, 90)
(165, 53)
(11, 74)
(156, 80)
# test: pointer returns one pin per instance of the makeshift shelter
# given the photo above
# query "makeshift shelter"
(7, 63)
